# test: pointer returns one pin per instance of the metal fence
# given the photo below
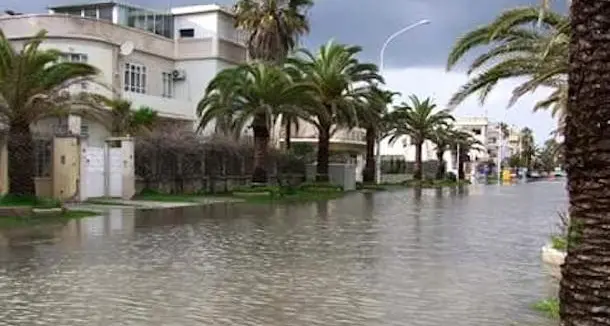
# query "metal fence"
(178, 161)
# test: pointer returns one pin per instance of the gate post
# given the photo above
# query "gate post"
(129, 175)
(82, 189)
(4, 181)
(66, 167)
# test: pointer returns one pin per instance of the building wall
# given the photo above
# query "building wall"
(205, 24)
(404, 147)
(200, 57)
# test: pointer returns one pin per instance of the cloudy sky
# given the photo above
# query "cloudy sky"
(415, 61)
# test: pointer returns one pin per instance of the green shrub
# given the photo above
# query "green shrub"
(549, 307)
(559, 242)
(320, 186)
(257, 189)
(38, 202)
(149, 192)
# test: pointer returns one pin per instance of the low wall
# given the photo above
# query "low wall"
(44, 187)
(343, 175)
(219, 184)
(395, 178)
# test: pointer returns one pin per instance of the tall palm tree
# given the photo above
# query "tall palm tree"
(466, 143)
(33, 85)
(252, 94)
(418, 120)
(514, 49)
(338, 80)
(291, 120)
(373, 117)
(527, 147)
(443, 138)
(585, 282)
(274, 26)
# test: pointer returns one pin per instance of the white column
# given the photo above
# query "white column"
(128, 171)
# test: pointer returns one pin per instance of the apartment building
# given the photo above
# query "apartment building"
(486, 132)
(160, 59)
(163, 59)
(504, 142)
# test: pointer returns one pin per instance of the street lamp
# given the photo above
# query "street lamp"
(381, 55)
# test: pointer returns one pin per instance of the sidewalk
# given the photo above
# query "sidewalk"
(147, 204)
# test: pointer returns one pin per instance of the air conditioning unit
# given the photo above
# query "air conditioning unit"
(179, 74)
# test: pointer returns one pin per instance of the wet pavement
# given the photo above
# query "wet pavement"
(435, 257)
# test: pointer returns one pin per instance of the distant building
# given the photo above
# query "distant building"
(486, 132)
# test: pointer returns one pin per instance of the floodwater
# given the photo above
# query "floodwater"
(435, 257)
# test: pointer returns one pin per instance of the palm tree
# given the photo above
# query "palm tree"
(117, 115)
(335, 75)
(443, 138)
(585, 282)
(527, 147)
(514, 49)
(252, 94)
(504, 130)
(466, 143)
(373, 117)
(274, 26)
(291, 119)
(33, 85)
(418, 120)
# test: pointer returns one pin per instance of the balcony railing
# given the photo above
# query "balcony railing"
(355, 135)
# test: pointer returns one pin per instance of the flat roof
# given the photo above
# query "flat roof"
(182, 10)
(82, 3)
(195, 9)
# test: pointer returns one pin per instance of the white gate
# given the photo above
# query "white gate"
(101, 172)
(116, 172)
(94, 172)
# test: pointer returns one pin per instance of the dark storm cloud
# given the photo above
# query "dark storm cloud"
(369, 22)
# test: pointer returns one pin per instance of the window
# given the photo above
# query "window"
(42, 157)
(187, 32)
(135, 78)
(74, 57)
(84, 129)
(476, 131)
(158, 23)
(168, 84)
(90, 12)
(105, 13)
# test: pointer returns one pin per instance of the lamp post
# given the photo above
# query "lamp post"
(381, 55)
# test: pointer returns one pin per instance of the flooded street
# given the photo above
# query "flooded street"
(439, 257)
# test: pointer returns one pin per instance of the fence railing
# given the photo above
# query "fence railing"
(182, 162)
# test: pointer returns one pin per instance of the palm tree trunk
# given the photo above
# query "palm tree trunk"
(287, 135)
(21, 160)
(440, 169)
(460, 167)
(369, 168)
(585, 284)
(417, 173)
(323, 154)
(261, 151)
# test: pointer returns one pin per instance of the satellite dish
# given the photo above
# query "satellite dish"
(126, 48)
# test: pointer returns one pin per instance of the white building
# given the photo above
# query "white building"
(160, 59)
(486, 132)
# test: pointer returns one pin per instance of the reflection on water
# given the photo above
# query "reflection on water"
(434, 257)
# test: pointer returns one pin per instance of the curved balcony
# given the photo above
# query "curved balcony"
(341, 139)
(74, 27)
